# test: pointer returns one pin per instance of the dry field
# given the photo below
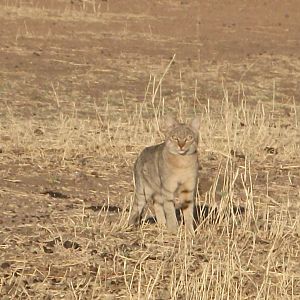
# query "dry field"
(83, 87)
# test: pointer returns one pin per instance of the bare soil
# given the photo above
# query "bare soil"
(83, 86)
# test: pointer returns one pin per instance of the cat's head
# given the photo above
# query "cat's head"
(181, 139)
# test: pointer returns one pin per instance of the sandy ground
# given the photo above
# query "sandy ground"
(83, 85)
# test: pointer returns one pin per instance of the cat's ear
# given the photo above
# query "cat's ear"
(195, 124)
(167, 123)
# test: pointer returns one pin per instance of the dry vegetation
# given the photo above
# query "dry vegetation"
(66, 188)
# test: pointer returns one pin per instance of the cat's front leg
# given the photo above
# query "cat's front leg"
(159, 209)
(169, 208)
(165, 212)
(187, 206)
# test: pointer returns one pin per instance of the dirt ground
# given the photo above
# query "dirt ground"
(83, 86)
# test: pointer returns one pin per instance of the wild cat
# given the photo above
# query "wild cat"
(166, 172)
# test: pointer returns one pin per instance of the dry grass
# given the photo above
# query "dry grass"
(86, 252)
(67, 188)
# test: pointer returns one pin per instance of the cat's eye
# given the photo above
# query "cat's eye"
(189, 137)
(174, 137)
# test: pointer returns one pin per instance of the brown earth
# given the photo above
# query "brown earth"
(82, 85)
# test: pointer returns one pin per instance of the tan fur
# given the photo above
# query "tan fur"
(168, 171)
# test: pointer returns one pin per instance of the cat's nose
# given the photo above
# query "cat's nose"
(181, 144)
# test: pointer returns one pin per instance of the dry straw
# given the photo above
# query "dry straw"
(247, 240)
